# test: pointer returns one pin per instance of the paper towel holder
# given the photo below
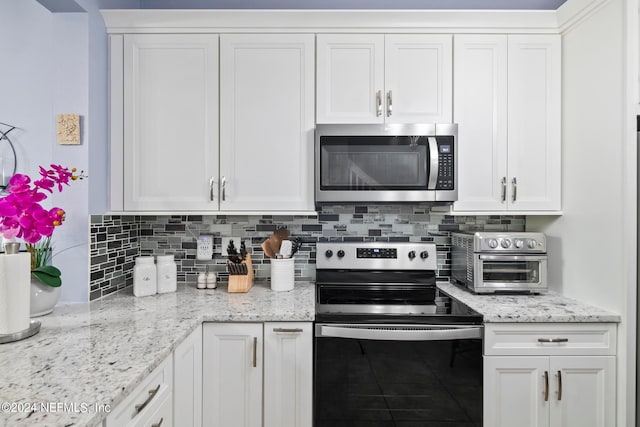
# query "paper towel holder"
(34, 328)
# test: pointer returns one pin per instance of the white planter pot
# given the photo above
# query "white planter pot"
(43, 298)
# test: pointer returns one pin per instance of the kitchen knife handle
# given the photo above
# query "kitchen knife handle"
(378, 103)
(255, 352)
(559, 385)
(212, 183)
(504, 189)
(224, 188)
(546, 386)
(514, 185)
(389, 104)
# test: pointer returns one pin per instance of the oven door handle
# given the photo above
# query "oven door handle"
(398, 332)
(485, 257)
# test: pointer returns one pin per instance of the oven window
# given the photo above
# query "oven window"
(511, 271)
(396, 383)
(391, 295)
(373, 163)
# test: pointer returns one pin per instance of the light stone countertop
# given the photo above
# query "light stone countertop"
(98, 352)
(547, 308)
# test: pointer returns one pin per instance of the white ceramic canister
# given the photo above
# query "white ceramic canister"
(282, 274)
(167, 271)
(144, 277)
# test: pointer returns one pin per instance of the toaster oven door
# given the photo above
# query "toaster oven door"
(510, 272)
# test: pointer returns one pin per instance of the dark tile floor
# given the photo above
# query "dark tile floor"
(398, 384)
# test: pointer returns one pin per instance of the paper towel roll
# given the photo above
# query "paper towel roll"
(15, 282)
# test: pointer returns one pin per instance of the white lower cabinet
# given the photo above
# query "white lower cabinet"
(233, 369)
(187, 381)
(549, 375)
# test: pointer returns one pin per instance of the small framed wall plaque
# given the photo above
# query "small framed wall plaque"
(68, 129)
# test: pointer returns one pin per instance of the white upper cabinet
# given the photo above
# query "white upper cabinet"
(375, 78)
(507, 106)
(266, 121)
(170, 111)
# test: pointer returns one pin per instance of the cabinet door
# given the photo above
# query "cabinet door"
(267, 126)
(480, 109)
(288, 374)
(514, 391)
(350, 78)
(170, 121)
(232, 375)
(583, 391)
(187, 381)
(534, 122)
(418, 71)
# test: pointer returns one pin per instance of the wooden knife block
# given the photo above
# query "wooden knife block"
(241, 282)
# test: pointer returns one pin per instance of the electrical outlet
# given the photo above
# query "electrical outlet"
(204, 247)
(225, 243)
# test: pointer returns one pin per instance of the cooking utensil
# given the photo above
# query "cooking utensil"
(267, 249)
(296, 242)
(285, 248)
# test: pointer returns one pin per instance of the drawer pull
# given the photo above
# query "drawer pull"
(553, 340)
(158, 424)
(152, 394)
(287, 330)
(255, 352)
(546, 386)
(559, 385)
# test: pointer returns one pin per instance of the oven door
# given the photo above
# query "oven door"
(391, 375)
(510, 272)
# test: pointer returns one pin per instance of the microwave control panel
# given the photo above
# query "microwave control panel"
(446, 164)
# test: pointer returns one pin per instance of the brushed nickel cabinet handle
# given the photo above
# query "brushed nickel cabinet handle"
(224, 188)
(559, 385)
(158, 424)
(378, 103)
(389, 104)
(514, 187)
(553, 340)
(546, 386)
(212, 183)
(255, 352)
(504, 189)
(287, 330)
(152, 394)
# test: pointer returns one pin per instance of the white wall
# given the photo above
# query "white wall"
(589, 245)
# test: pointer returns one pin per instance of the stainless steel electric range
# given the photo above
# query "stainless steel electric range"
(390, 348)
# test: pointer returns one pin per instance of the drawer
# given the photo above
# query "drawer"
(550, 339)
(150, 391)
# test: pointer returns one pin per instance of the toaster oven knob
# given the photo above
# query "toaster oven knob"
(424, 254)
(412, 254)
(518, 243)
(328, 253)
(506, 243)
(532, 244)
(340, 253)
(493, 243)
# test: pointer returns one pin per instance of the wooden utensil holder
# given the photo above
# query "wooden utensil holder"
(241, 282)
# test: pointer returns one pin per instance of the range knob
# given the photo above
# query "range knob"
(328, 253)
(340, 253)
(424, 254)
(493, 243)
(532, 244)
(412, 254)
(518, 243)
(506, 243)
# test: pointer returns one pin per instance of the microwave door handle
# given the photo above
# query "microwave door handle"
(397, 333)
(434, 162)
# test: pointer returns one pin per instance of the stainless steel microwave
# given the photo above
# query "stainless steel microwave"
(386, 163)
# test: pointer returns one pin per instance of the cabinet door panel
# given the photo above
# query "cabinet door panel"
(588, 391)
(267, 124)
(288, 374)
(480, 109)
(350, 75)
(418, 72)
(534, 122)
(187, 381)
(232, 385)
(170, 121)
(513, 391)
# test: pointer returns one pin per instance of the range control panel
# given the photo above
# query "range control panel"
(376, 255)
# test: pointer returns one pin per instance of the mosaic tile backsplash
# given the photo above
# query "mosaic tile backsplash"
(117, 240)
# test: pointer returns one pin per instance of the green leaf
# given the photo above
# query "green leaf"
(49, 275)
